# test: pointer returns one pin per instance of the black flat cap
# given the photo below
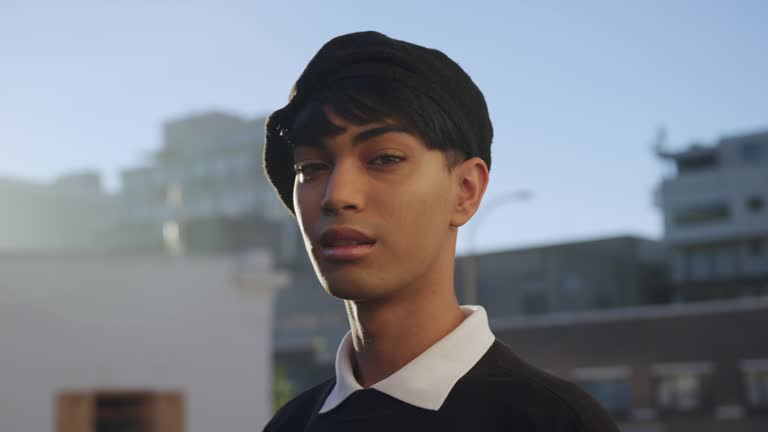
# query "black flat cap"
(374, 55)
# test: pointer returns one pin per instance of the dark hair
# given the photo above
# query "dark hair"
(362, 101)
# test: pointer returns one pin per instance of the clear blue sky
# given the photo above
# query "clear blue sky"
(576, 90)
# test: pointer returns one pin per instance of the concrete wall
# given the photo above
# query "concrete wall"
(201, 326)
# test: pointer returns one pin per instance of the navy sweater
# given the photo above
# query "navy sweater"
(500, 393)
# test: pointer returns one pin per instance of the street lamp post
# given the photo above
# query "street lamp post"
(470, 264)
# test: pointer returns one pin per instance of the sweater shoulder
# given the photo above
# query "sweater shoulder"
(527, 391)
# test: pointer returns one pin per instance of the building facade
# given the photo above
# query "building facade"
(73, 213)
(647, 366)
(592, 274)
(715, 209)
(93, 342)
(663, 368)
(205, 191)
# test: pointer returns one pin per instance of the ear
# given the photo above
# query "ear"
(470, 179)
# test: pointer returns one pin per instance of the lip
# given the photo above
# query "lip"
(349, 252)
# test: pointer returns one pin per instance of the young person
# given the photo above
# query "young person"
(382, 153)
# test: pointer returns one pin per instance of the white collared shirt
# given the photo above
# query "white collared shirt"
(427, 380)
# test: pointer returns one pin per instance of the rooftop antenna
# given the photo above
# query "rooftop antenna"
(659, 141)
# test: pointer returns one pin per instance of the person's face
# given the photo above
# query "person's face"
(375, 208)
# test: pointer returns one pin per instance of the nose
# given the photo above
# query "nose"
(343, 189)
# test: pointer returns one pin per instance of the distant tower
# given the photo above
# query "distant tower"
(660, 140)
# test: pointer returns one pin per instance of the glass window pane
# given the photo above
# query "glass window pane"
(757, 388)
(680, 392)
(612, 394)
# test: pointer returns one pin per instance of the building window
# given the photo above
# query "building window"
(726, 260)
(751, 151)
(755, 374)
(120, 411)
(609, 386)
(612, 394)
(712, 262)
(755, 204)
(534, 302)
(117, 412)
(755, 247)
(679, 393)
(575, 295)
(757, 389)
(701, 214)
(682, 388)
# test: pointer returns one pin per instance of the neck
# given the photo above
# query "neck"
(389, 333)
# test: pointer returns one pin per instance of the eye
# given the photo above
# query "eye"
(306, 169)
(386, 159)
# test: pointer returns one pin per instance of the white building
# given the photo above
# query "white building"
(71, 214)
(183, 344)
(716, 210)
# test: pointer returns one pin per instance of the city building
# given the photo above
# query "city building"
(205, 192)
(715, 209)
(584, 275)
(73, 213)
(175, 344)
(698, 366)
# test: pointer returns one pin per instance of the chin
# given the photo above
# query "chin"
(353, 289)
(345, 292)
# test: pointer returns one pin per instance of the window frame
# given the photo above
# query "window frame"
(703, 372)
(619, 373)
(754, 366)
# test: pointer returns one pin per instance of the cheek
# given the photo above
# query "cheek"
(420, 214)
(303, 204)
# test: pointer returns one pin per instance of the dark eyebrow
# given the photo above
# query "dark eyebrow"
(375, 132)
(358, 139)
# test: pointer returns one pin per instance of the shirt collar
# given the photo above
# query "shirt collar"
(427, 380)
